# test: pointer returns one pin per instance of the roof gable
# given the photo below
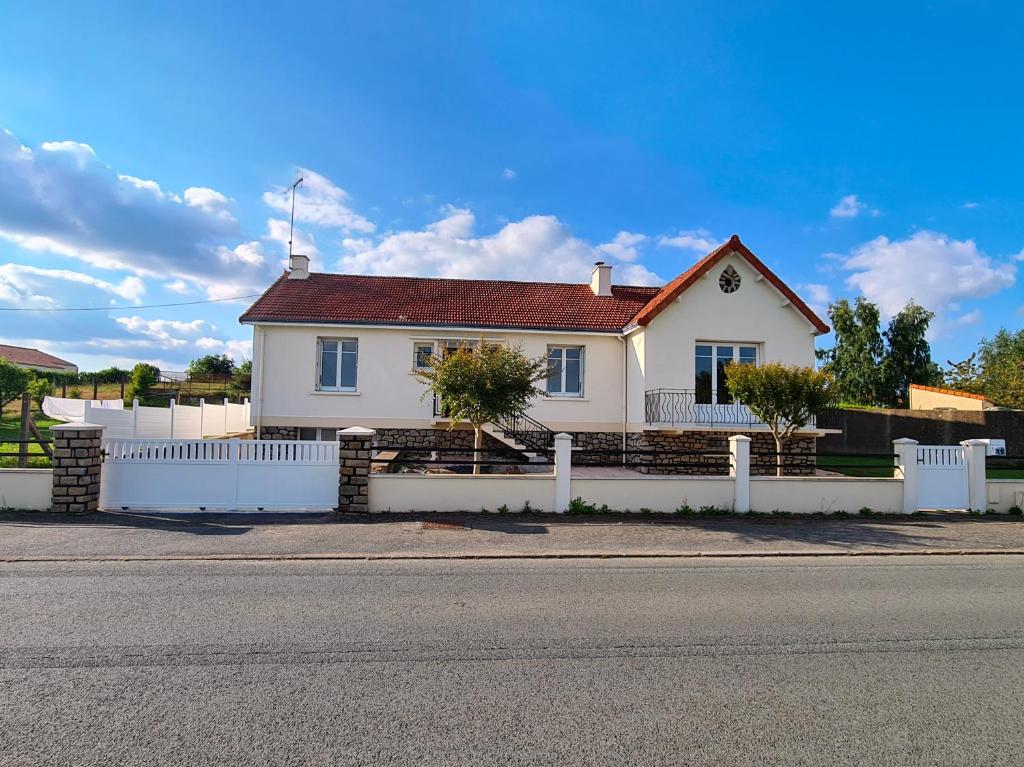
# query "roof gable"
(676, 287)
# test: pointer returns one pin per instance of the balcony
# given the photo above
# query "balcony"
(687, 408)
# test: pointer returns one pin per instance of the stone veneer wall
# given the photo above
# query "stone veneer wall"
(703, 441)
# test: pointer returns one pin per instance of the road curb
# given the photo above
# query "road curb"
(456, 556)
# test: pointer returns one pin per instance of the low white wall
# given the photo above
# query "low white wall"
(25, 489)
(1005, 493)
(657, 493)
(808, 495)
(460, 492)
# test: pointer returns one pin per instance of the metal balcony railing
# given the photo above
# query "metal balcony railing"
(687, 407)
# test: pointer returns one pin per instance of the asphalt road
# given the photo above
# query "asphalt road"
(821, 661)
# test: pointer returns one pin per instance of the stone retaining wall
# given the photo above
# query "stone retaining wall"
(700, 441)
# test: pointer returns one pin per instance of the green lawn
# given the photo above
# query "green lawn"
(9, 430)
(842, 465)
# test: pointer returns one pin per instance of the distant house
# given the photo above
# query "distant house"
(630, 366)
(935, 398)
(33, 359)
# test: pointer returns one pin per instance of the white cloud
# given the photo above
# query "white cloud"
(850, 207)
(928, 267)
(1019, 256)
(167, 333)
(817, 296)
(537, 247)
(969, 318)
(969, 205)
(624, 246)
(62, 198)
(236, 349)
(246, 253)
(319, 202)
(178, 286)
(209, 200)
(508, 174)
(23, 284)
(697, 240)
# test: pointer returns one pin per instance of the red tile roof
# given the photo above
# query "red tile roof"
(428, 301)
(434, 302)
(22, 355)
(672, 291)
(952, 392)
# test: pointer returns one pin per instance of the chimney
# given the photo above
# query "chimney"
(298, 267)
(601, 279)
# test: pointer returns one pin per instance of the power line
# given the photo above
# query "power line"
(124, 308)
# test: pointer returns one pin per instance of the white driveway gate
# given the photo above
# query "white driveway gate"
(941, 477)
(222, 474)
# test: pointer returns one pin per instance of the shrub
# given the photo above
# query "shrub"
(144, 378)
(684, 511)
(579, 506)
(74, 394)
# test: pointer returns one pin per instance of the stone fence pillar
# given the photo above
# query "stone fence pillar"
(355, 447)
(77, 458)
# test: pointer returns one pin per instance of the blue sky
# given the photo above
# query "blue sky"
(867, 149)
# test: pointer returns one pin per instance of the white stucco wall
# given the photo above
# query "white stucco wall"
(388, 394)
(26, 489)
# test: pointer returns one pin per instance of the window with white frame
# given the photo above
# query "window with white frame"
(710, 360)
(422, 351)
(565, 371)
(337, 359)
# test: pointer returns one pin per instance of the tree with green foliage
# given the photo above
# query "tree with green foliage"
(908, 356)
(211, 365)
(491, 383)
(39, 388)
(855, 360)
(996, 370)
(13, 383)
(144, 377)
(784, 397)
(875, 368)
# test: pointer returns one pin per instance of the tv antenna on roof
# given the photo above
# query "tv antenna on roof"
(291, 227)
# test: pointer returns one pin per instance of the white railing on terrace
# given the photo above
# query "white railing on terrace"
(687, 407)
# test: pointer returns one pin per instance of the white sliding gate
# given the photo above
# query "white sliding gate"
(941, 477)
(221, 474)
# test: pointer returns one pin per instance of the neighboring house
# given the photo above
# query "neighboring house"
(24, 357)
(934, 398)
(631, 366)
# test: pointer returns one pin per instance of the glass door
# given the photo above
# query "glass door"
(710, 360)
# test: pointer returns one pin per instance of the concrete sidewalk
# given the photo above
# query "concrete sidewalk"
(155, 535)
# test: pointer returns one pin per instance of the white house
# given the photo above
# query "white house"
(632, 366)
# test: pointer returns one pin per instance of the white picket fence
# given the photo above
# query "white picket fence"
(223, 474)
(174, 422)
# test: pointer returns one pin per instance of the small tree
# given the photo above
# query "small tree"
(488, 384)
(40, 388)
(784, 397)
(13, 383)
(144, 378)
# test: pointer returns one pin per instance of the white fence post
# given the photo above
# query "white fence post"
(739, 470)
(87, 407)
(906, 461)
(977, 487)
(563, 472)
(225, 432)
(202, 418)
(135, 418)
(235, 458)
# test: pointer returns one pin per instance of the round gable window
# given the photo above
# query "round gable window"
(729, 282)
